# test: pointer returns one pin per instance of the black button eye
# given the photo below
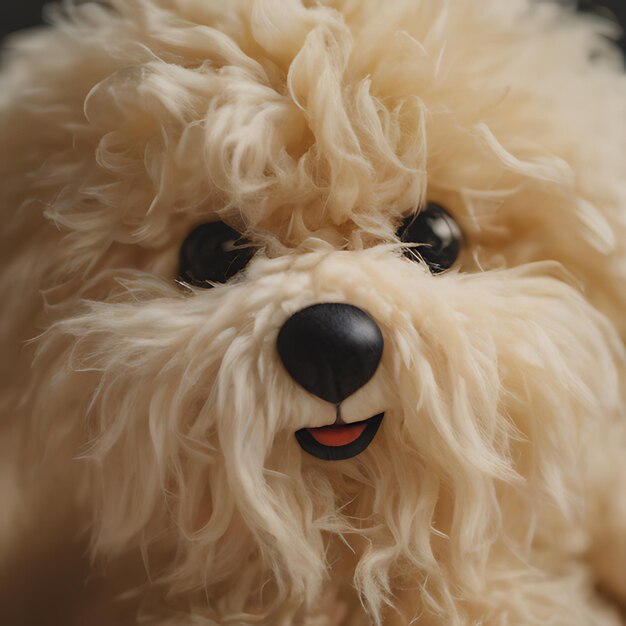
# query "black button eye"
(213, 253)
(438, 235)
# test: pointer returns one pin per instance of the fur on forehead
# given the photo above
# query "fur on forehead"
(293, 118)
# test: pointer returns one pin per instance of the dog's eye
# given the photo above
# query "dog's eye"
(438, 235)
(213, 253)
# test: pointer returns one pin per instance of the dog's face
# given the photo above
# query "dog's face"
(328, 277)
(332, 350)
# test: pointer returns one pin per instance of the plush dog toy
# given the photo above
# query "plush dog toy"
(313, 315)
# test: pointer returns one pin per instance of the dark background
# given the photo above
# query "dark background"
(615, 9)
(17, 14)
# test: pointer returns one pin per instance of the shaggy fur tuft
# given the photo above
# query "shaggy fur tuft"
(147, 427)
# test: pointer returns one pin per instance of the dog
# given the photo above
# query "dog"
(313, 315)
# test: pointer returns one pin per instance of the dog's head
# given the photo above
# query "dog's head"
(348, 273)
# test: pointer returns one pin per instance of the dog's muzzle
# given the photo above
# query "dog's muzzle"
(332, 350)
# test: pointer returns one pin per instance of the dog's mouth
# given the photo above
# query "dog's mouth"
(339, 441)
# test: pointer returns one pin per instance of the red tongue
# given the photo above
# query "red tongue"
(336, 436)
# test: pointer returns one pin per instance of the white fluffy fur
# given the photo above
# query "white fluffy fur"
(155, 423)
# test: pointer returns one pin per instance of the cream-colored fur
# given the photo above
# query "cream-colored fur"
(149, 466)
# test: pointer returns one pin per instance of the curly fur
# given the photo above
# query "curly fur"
(151, 425)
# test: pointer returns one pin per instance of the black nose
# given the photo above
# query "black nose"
(331, 349)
